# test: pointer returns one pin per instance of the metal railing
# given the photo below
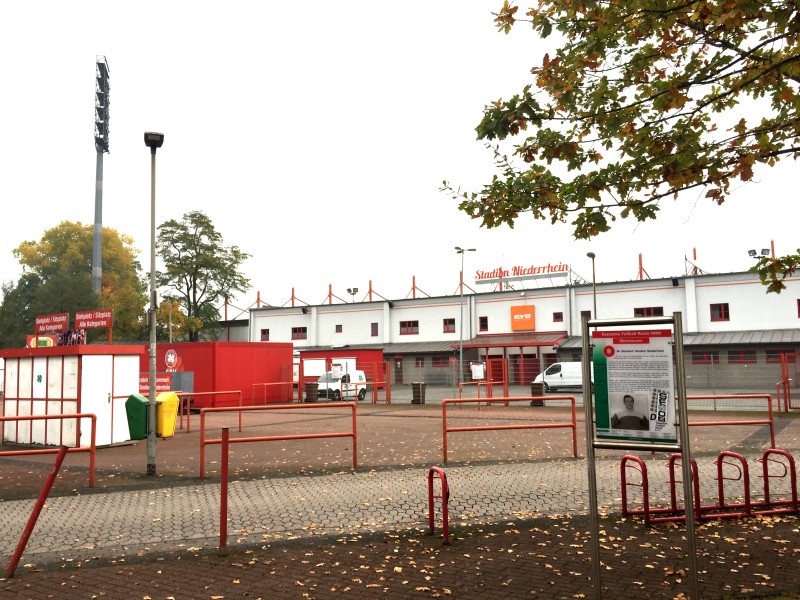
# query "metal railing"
(572, 424)
(274, 438)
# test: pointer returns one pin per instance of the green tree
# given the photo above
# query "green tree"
(57, 277)
(17, 313)
(643, 100)
(171, 321)
(199, 269)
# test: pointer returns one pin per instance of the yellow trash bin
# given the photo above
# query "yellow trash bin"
(167, 413)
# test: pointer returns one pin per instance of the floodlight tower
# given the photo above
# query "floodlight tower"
(101, 118)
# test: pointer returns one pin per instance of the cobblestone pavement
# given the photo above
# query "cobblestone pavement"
(304, 524)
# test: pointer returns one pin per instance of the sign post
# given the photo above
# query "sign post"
(635, 393)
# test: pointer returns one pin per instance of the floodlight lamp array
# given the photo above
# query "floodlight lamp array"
(102, 101)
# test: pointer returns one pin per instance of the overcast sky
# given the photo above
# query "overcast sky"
(316, 136)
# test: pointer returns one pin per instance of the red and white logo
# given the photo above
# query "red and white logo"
(171, 358)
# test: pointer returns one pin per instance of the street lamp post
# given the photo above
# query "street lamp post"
(461, 251)
(153, 141)
(594, 292)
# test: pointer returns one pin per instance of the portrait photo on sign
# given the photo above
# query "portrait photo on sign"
(628, 411)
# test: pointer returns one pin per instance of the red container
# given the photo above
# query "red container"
(254, 368)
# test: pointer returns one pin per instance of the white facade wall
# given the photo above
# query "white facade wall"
(751, 308)
(430, 313)
(620, 300)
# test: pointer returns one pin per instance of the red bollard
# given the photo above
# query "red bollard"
(223, 492)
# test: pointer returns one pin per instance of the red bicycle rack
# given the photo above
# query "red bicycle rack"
(722, 509)
(654, 514)
(788, 468)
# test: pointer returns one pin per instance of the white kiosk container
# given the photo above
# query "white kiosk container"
(69, 380)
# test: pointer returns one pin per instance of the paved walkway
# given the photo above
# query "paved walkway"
(513, 521)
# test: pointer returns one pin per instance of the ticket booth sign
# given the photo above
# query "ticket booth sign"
(52, 323)
(94, 319)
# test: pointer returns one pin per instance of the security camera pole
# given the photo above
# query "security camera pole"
(152, 141)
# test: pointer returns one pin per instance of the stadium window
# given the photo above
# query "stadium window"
(708, 357)
(265, 335)
(449, 325)
(648, 311)
(419, 362)
(720, 312)
(586, 313)
(338, 329)
(374, 329)
(798, 308)
(742, 356)
(299, 333)
(409, 327)
(558, 317)
(439, 361)
(483, 323)
(774, 356)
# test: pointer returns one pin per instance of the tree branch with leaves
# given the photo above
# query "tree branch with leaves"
(200, 270)
(643, 100)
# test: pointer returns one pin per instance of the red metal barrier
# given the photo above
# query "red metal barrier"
(768, 421)
(185, 397)
(506, 400)
(91, 449)
(489, 385)
(289, 384)
(223, 492)
(436, 472)
(274, 438)
(37, 509)
(782, 392)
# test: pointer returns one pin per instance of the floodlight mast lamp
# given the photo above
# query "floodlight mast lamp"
(153, 141)
(352, 292)
(461, 251)
(101, 129)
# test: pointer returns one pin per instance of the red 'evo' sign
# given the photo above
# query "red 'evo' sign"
(522, 318)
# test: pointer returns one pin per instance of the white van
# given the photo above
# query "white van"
(562, 375)
(337, 386)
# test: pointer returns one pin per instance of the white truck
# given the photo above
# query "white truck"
(337, 385)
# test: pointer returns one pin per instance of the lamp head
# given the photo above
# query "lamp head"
(752, 252)
(590, 255)
(153, 140)
(765, 252)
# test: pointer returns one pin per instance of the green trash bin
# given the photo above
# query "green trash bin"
(136, 409)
